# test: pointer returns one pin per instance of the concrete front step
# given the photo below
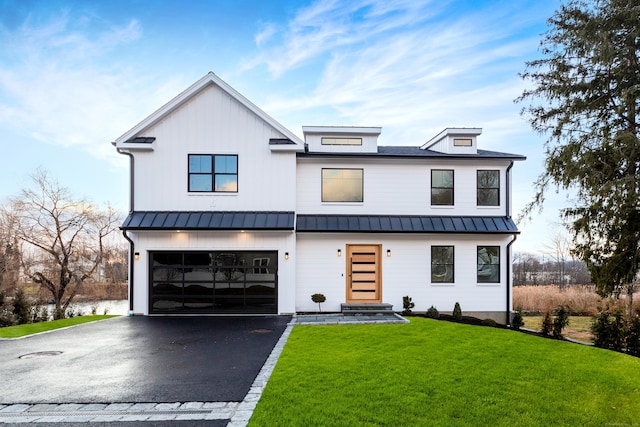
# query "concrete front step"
(366, 308)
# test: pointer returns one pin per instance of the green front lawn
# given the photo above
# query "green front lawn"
(440, 373)
(34, 328)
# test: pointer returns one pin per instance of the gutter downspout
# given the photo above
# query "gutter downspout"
(509, 273)
(515, 236)
(508, 188)
(124, 232)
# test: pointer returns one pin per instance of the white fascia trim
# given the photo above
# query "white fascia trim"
(451, 131)
(205, 81)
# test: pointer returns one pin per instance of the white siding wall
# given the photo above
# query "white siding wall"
(214, 123)
(400, 187)
(406, 272)
(193, 241)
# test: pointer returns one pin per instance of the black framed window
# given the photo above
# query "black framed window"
(442, 264)
(488, 264)
(488, 183)
(442, 187)
(216, 173)
(342, 185)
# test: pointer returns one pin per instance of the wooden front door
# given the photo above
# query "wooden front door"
(363, 274)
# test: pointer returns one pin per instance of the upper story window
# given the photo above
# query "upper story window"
(341, 141)
(488, 264)
(213, 173)
(442, 264)
(342, 185)
(442, 187)
(488, 188)
(462, 142)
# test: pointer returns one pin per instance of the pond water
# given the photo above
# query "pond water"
(120, 307)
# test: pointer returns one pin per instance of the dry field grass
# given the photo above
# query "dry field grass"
(580, 300)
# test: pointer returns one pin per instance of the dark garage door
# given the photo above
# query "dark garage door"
(213, 282)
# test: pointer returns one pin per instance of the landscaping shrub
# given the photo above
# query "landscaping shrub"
(21, 307)
(318, 299)
(407, 305)
(457, 312)
(560, 322)
(633, 337)
(547, 324)
(433, 313)
(489, 322)
(517, 321)
(608, 330)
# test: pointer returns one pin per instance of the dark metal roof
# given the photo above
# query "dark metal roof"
(141, 140)
(208, 220)
(397, 151)
(406, 224)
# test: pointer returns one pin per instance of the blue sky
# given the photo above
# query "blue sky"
(75, 75)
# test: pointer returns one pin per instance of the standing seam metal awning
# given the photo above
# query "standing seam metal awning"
(406, 224)
(208, 220)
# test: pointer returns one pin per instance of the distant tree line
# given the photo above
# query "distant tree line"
(543, 269)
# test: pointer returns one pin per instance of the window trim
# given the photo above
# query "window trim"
(453, 266)
(213, 174)
(342, 201)
(489, 282)
(478, 188)
(452, 188)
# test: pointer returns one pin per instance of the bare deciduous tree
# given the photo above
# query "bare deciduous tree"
(64, 238)
(9, 253)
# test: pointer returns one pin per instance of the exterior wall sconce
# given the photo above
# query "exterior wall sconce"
(389, 252)
(286, 255)
(136, 256)
(339, 252)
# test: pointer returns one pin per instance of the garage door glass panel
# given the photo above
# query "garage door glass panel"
(214, 282)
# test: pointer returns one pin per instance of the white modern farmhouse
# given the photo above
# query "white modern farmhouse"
(231, 213)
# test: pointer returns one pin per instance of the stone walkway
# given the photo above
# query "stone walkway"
(238, 413)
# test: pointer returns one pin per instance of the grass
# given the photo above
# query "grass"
(440, 374)
(34, 328)
(579, 327)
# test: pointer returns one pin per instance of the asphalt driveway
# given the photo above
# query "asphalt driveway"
(140, 359)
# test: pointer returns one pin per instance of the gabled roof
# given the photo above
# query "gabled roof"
(406, 224)
(194, 89)
(208, 220)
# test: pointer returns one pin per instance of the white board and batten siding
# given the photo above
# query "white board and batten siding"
(399, 187)
(213, 122)
(280, 241)
(406, 272)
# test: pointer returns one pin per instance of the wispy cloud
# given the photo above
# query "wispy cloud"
(411, 67)
(59, 82)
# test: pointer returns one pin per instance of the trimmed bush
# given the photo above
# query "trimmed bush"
(489, 322)
(407, 305)
(318, 299)
(547, 324)
(433, 313)
(560, 322)
(457, 312)
(518, 321)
